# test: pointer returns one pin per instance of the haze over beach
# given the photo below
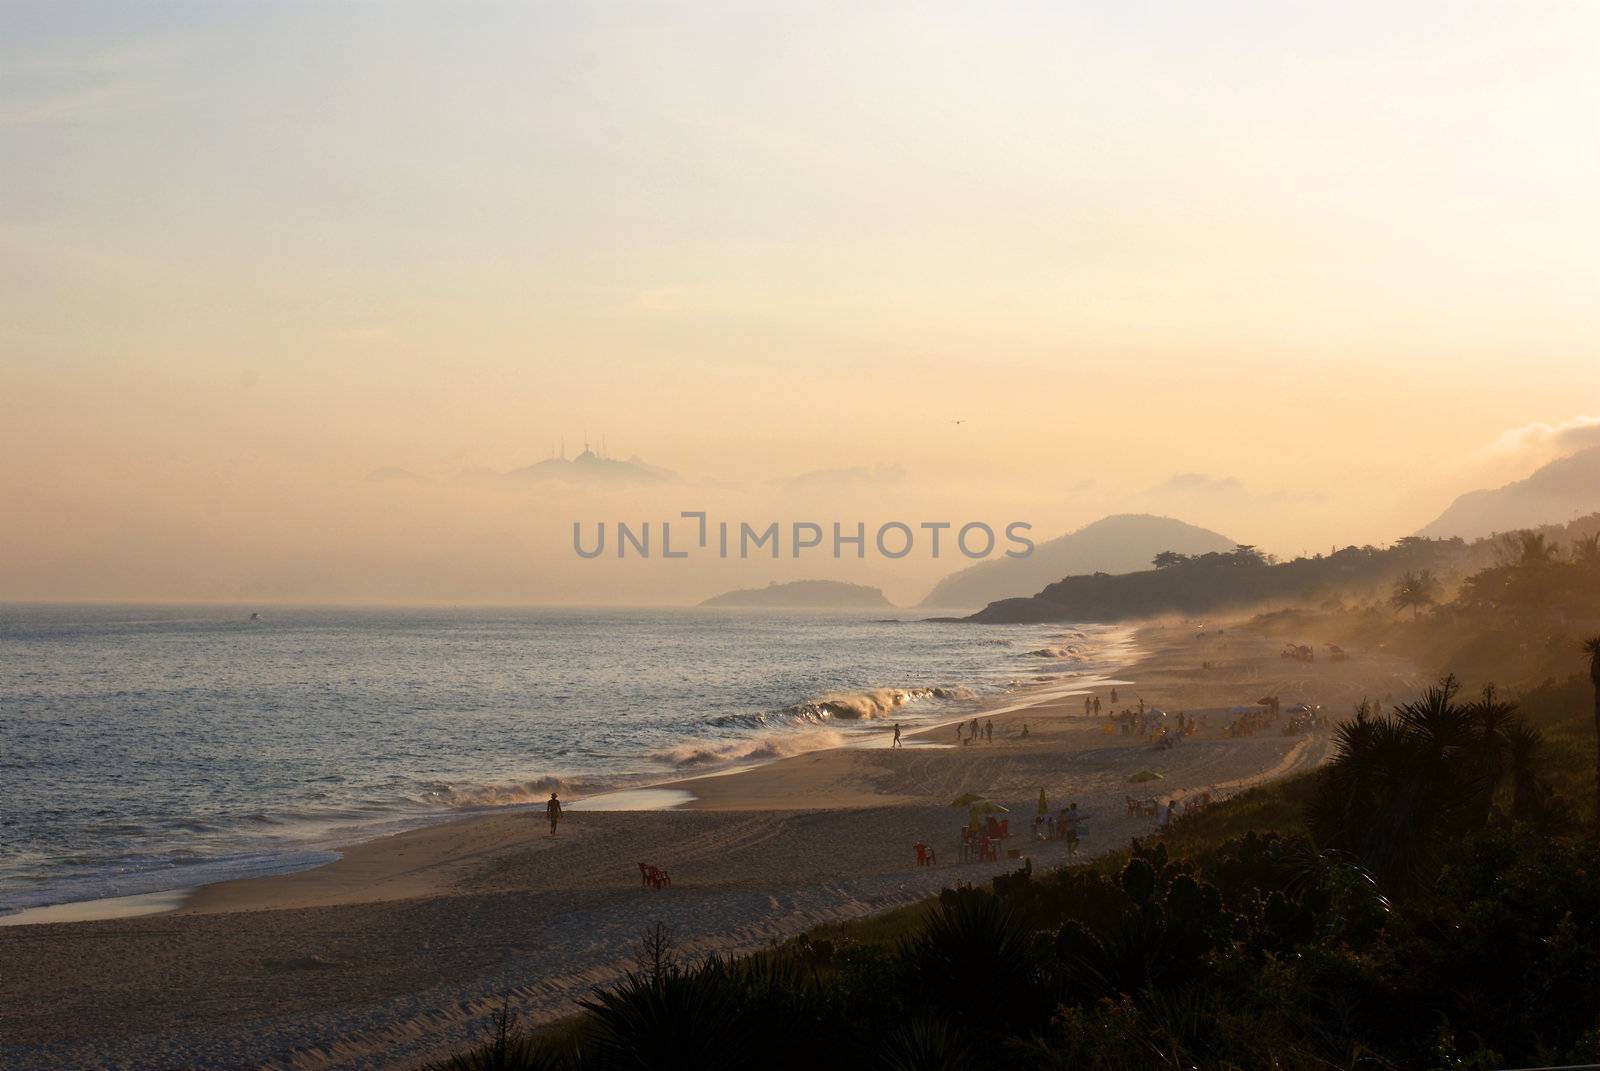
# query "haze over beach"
(1301, 276)
(710, 535)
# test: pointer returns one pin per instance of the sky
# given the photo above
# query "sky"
(1298, 273)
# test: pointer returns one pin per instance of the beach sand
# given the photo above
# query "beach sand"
(401, 950)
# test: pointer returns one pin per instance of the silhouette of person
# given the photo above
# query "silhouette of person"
(896, 742)
(988, 730)
(552, 811)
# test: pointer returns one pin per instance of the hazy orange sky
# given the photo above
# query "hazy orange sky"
(1320, 264)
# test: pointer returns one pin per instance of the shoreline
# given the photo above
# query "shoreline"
(320, 969)
(1119, 643)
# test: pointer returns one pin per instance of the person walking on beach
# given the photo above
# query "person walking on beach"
(1097, 706)
(896, 742)
(1113, 695)
(552, 811)
(988, 731)
(1070, 828)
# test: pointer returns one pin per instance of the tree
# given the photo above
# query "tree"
(1415, 591)
(1247, 554)
(1168, 558)
(1591, 647)
(1536, 548)
(1586, 551)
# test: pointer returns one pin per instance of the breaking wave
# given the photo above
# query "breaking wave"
(695, 753)
(843, 706)
(504, 794)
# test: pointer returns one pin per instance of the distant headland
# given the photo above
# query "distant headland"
(812, 594)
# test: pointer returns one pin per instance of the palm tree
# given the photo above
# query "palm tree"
(1495, 736)
(1536, 548)
(1586, 550)
(1591, 647)
(1415, 590)
(1522, 747)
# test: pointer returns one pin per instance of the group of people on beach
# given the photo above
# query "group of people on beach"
(968, 732)
(1065, 824)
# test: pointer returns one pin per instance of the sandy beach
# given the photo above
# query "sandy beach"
(401, 950)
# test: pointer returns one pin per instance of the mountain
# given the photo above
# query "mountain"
(805, 594)
(1551, 495)
(1227, 582)
(1122, 543)
(592, 468)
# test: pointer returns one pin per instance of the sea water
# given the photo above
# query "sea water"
(152, 748)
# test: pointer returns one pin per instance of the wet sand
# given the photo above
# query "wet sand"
(401, 950)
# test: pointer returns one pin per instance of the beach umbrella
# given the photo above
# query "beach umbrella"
(988, 807)
(1144, 775)
(966, 799)
(1043, 806)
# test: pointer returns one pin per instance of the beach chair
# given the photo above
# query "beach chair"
(926, 856)
(653, 876)
(1004, 829)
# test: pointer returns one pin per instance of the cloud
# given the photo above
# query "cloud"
(391, 472)
(846, 477)
(1198, 482)
(1567, 437)
(1201, 487)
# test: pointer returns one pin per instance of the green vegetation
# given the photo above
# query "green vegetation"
(1430, 899)
(1243, 577)
(1425, 901)
(1519, 621)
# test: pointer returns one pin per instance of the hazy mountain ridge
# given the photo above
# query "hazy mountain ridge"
(1120, 543)
(1216, 582)
(1549, 496)
(804, 594)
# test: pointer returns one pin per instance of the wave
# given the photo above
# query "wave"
(1069, 652)
(695, 753)
(863, 705)
(502, 794)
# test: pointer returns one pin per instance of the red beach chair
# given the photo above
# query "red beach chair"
(926, 856)
(653, 876)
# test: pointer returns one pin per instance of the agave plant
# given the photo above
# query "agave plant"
(924, 1044)
(975, 962)
(1591, 647)
(690, 1016)
(1401, 785)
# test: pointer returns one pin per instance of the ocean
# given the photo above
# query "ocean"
(155, 748)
